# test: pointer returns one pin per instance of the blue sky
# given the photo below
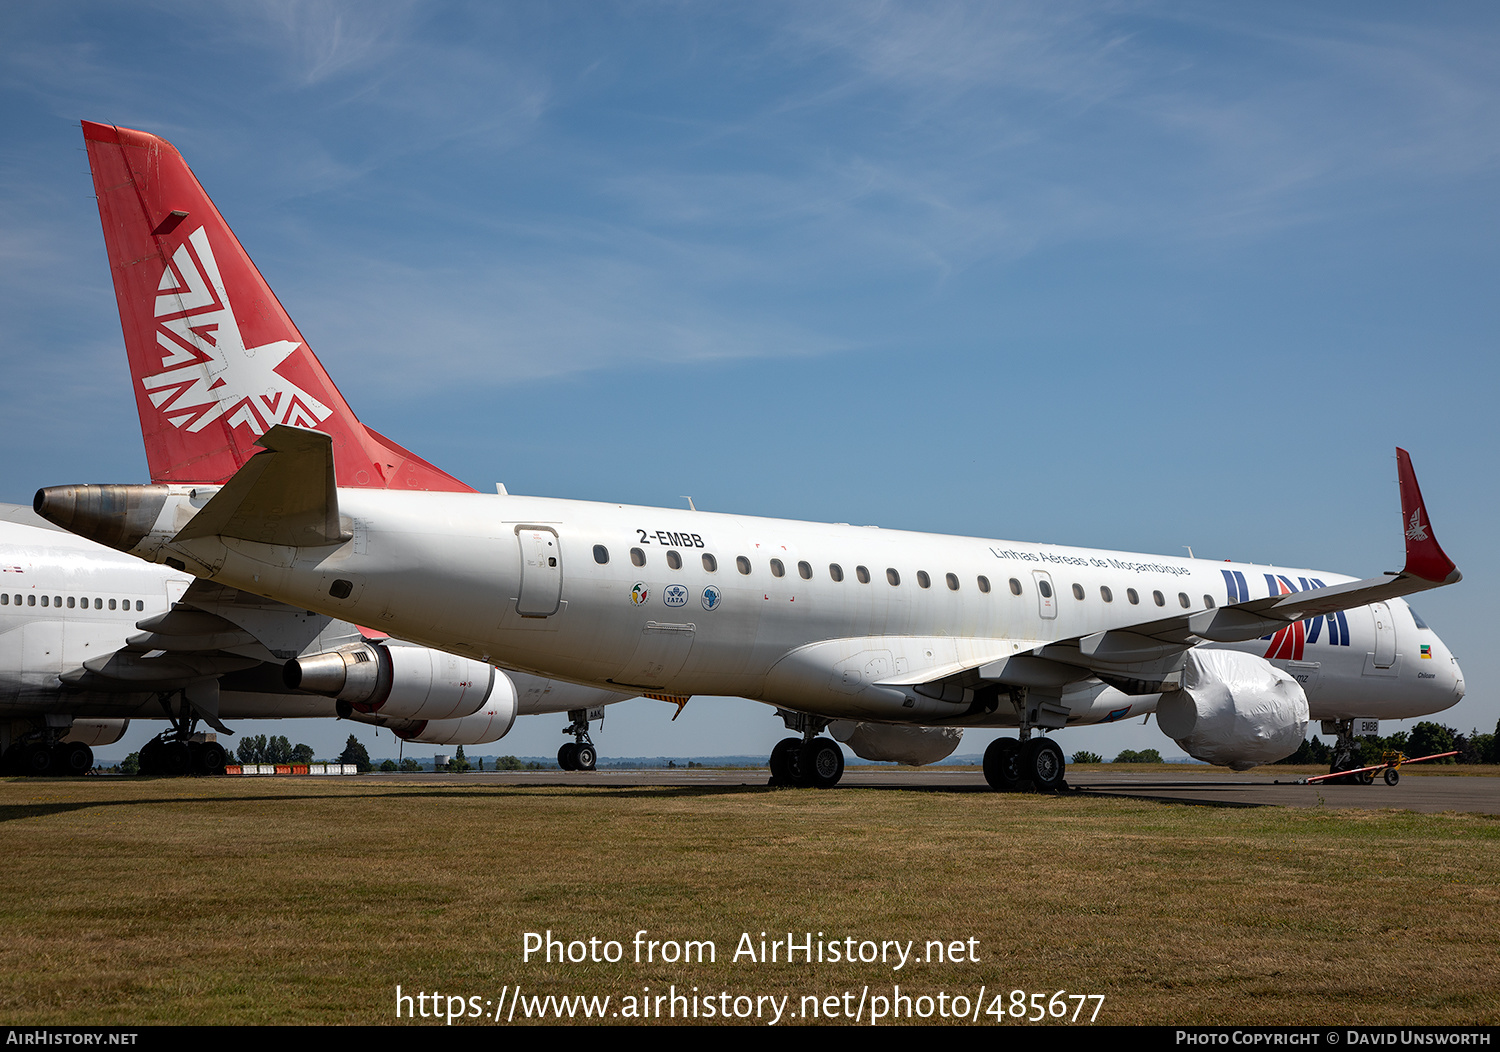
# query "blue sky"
(1133, 276)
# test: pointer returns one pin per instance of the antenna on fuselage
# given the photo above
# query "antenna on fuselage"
(691, 505)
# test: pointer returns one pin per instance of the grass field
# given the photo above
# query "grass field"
(290, 901)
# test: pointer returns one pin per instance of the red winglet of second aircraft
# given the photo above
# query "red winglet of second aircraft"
(1424, 557)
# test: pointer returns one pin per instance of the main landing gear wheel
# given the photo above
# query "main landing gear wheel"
(822, 763)
(584, 757)
(1042, 763)
(74, 758)
(1002, 766)
(786, 761)
(1391, 776)
(567, 756)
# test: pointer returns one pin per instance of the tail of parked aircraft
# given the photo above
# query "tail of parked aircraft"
(214, 359)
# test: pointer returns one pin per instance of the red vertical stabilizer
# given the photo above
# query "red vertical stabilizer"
(214, 359)
(1424, 558)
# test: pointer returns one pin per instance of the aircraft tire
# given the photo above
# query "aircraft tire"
(783, 761)
(1043, 764)
(39, 759)
(74, 758)
(1391, 776)
(150, 758)
(822, 763)
(1002, 766)
(585, 757)
(212, 759)
(176, 759)
(567, 756)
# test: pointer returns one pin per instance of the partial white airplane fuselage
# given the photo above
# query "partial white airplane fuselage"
(817, 617)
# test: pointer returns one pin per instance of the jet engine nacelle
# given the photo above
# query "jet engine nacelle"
(396, 682)
(489, 724)
(1234, 709)
(97, 732)
(886, 741)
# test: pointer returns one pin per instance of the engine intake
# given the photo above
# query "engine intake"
(402, 682)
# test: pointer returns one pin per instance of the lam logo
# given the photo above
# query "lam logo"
(207, 371)
(1415, 531)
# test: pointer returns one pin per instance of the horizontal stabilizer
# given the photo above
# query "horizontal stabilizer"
(285, 494)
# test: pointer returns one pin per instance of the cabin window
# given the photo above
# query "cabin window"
(601, 554)
(710, 563)
(1161, 600)
(1078, 592)
(674, 559)
(44, 600)
(638, 557)
(1130, 594)
(70, 602)
(892, 576)
(743, 564)
(836, 571)
(98, 604)
(984, 584)
(777, 570)
(1106, 594)
(5, 599)
(804, 571)
(1015, 586)
(863, 574)
(923, 580)
(1208, 601)
(139, 606)
(111, 602)
(952, 580)
(1183, 600)
(1045, 587)
(31, 600)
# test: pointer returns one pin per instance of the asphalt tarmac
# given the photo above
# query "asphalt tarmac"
(1425, 792)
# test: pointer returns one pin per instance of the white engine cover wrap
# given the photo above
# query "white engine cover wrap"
(885, 741)
(1234, 709)
(433, 685)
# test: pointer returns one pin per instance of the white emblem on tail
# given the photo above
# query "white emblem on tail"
(207, 371)
(1415, 531)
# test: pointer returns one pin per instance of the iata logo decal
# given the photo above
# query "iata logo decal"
(207, 371)
(674, 595)
(1415, 531)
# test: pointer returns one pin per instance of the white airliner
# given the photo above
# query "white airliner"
(91, 639)
(894, 640)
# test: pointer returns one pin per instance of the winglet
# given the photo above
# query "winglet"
(1424, 558)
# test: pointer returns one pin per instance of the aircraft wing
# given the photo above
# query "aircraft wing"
(1146, 658)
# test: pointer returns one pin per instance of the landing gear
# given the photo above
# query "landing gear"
(40, 757)
(1002, 766)
(1033, 765)
(822, 763)
(809, 761)
(1042, 762)
(786, 762)
(1345, 752)
(580, 754)
(181, 750)
(1028, 764)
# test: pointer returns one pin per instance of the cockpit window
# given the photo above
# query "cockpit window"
(1418, 619)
